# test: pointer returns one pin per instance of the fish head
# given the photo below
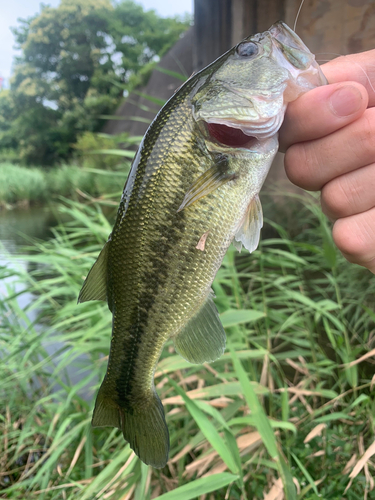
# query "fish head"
(243, 95)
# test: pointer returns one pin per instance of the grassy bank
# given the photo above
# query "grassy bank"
(102, 162)
(26, 185)
(289, 405)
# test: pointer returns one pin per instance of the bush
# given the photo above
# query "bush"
(65, 181)
(35, 185)
(9, 155)
(89, 144)
(21, 184)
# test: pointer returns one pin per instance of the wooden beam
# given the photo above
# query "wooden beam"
(220, 24)
(212, 23)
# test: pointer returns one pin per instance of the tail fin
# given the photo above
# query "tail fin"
(144, 428)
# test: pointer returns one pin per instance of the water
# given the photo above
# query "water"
(34, 222)
(16, 228)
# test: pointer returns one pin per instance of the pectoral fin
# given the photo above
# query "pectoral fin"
(95, 285)
(249, 233)
(202, 340)
(212, 179)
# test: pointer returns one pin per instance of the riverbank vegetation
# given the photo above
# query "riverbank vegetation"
(22, 186)
(286, 412)
(99, 171)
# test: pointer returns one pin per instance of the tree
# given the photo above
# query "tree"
(75, 59)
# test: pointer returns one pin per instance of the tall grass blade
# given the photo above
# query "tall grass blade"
(155, 100)
(117, 152)
(259, 417)
(200, 487)
(209, 431)
(305, 473)
(233, 317)
(168, 72)
(264, 428)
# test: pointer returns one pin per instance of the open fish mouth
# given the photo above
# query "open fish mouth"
(254, 116)
(239, 133)
(229, 136)
(235, 134)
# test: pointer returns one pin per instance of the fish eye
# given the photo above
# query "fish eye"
(247, 49)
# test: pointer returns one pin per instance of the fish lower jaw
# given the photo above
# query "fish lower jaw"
(261, 128)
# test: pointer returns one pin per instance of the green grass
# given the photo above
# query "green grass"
(289, 405)
(19, 184)
(100, 168)
(25, 185)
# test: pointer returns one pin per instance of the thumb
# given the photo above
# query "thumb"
(322, 111)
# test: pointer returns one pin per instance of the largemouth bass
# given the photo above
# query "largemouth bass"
(192, 189)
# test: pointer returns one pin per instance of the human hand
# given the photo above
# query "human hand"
(329, 139)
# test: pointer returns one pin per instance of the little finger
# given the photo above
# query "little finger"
(349, 194)
(355, 238)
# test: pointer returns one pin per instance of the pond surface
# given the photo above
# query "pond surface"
(16, 226)
(34, 222)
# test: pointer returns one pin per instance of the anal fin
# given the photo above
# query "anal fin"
(202, 339)
(95, 284)
(249, 233)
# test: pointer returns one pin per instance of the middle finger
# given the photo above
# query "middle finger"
(345, 150)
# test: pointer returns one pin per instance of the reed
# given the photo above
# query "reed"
(20, 184)
(289, 407)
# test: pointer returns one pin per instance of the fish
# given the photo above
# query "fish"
(193, 188)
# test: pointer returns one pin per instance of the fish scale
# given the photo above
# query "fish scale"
(191, 191)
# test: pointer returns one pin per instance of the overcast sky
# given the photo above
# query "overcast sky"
(11, 10)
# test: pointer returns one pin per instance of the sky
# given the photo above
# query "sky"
(11, 10)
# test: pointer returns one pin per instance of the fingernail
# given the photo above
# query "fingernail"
(346, 101)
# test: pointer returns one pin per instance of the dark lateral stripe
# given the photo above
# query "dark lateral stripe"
(126, 371)
(156, 278)
(172, 228)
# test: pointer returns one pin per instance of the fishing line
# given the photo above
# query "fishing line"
(297, 16)
(352, 62)
(332, 53)
(366, 75)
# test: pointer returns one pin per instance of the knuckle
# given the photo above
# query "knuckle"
(331, 202)
(366, 134)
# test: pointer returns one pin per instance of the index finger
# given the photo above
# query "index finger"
(359, 68)
(321, 112)
(310, 116)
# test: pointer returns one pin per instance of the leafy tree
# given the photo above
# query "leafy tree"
(75, 59)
